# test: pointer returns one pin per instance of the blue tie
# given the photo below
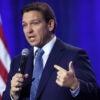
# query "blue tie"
(38, 68)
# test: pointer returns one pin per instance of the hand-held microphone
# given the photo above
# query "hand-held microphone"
(24, 56)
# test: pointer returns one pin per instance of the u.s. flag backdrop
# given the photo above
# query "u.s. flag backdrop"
(4, 61)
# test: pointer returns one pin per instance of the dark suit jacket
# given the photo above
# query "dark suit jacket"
(61, 55)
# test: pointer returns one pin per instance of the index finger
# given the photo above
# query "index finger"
(18, 75)
(59, 68)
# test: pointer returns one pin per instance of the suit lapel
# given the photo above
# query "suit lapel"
(53, 59)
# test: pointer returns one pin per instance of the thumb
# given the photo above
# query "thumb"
(26, 75)
(71, 68)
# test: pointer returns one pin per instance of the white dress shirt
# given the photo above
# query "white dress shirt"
(47, 49)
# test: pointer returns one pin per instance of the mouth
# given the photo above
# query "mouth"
(31, 38)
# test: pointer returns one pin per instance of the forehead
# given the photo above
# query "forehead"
(32, 15)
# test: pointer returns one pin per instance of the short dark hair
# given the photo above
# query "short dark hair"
(42, 7)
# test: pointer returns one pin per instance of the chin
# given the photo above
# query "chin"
(33, 44)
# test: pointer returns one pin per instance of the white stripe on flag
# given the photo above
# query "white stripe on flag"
(4, 56)
(2, 86)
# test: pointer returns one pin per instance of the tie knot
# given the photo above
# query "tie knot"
(39, 52)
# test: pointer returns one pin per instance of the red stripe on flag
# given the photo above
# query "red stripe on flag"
(3, 72)
(2, 37)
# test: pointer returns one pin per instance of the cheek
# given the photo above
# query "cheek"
(40, 36)
(26, 36)
(24, 30)
(40, 33)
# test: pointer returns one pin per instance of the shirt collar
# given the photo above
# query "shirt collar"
(47, 47)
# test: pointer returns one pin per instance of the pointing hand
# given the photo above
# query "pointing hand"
(66, 78)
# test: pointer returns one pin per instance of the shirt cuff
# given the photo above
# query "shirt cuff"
(75, 92)
(12, 97)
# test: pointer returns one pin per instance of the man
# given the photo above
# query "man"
(67, 73)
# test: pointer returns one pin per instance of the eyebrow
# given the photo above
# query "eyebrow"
(39, 19)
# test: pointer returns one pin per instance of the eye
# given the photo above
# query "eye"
(24, 25)
(36, 22)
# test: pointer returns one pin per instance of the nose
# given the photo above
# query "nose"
(29, 29)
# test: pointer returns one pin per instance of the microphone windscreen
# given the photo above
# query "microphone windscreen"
(25, 52)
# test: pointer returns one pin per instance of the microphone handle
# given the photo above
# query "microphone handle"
(22, 64)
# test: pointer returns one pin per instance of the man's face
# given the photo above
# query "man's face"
(36, 30)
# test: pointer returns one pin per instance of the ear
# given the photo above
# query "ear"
(51, 24)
